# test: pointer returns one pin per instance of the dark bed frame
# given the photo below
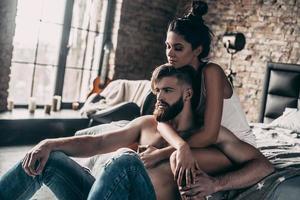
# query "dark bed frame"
(281, 90)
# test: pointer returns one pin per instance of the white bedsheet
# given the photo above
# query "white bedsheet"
(280, 146)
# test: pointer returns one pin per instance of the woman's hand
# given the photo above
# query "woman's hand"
(186, 166)
(151, 156)
(35, 160)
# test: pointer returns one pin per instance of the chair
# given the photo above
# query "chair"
(124, 111)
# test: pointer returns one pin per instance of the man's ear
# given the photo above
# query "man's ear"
(188, 94)
(198, 50)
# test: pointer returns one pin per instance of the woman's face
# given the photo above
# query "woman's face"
(179, 52)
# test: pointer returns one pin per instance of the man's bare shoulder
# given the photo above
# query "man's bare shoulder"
(146, 120)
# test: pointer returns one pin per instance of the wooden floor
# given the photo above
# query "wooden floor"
(9, 156)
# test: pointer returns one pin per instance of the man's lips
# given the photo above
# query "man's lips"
(162, 105)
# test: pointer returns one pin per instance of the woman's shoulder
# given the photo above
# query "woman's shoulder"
(213, 69)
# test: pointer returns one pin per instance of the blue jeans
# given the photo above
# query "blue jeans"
(289, 189)
(123, 177)
(68, 180)
(64, 177)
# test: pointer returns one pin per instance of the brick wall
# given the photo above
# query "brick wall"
(272, 30)
(7, 28)
(141, 36)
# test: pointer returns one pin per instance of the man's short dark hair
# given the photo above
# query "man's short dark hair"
(187, 74)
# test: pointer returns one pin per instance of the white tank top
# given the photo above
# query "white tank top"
(234, 119)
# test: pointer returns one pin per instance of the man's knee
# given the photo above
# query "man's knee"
(124, 150)
(57, 156)
(122, 161)
(124, 157)
(57, 159)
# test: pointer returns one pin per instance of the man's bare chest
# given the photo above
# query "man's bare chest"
(153, 138)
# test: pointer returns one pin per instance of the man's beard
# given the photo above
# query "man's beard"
(167, 112)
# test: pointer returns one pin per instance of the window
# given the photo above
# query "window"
(56, 50)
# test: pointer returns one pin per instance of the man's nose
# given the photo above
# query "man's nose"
(159, 96)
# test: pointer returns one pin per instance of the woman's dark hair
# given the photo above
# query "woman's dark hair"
(192, 28)
(186, 74)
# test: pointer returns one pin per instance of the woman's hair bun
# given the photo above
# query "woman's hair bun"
(199, 8)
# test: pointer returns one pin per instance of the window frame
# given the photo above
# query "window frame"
(63, 50)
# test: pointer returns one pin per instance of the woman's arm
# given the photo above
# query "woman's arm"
(214, 79)
(208, 134)
(186, 164)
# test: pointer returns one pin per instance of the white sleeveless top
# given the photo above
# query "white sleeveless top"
(234, 119)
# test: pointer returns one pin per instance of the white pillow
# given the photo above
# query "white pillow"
(290, 119)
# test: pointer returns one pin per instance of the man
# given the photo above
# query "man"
(48, 162)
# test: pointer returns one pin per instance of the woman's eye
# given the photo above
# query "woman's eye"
(178, 48)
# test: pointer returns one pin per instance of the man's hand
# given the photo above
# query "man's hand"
(204, 185)
(35, 160)
(186, 166)
(150, 156)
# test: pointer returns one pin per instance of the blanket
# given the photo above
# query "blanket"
(282, 147)
(117, 92)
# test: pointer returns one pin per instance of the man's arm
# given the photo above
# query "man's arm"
(82, 146)
(249, 173)
(252, 167)
(246, 176)
(89, 145)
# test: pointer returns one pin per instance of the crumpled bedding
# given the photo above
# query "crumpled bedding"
(280, 146)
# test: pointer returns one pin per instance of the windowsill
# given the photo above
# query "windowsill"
(22, 113)
(20, 127)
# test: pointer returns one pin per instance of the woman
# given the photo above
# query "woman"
(188, 42)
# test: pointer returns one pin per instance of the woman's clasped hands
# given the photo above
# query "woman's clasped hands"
(186, 166)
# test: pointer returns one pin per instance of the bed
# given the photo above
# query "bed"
(278, 130)
(281, 90)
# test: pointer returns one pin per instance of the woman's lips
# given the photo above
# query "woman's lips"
(172, 61)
